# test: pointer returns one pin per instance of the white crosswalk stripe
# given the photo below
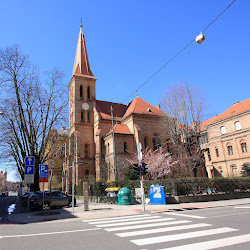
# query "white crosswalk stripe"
(151, 225)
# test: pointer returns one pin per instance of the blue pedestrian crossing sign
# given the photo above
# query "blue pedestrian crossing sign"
(29, 169)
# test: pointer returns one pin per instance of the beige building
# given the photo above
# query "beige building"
(226, 139)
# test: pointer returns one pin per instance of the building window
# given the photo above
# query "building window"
(125, 147)
(168, 146)
(223, 130)
(156, 142)
(243, 147)
(208, 154)
(88, 117)
(81, 91)
(234, 170)
(230, 150)
(88, 92)
(146, 142)
(237, 126)
(86, 150)
(217, 152)
(108, 149)
(82, 116)
(86, 174)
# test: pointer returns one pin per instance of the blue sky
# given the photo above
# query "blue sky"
(127, 41)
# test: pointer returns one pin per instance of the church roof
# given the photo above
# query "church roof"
(103, 108)
(120, 129)
(139, 106)
(81, 64)
(235, 109)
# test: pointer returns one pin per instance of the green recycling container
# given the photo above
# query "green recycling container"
(125, 196)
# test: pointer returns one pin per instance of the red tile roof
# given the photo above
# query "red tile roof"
(103, 108)
(236, 109)
(139, 106)
(120, 129)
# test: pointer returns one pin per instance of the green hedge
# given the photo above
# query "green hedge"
(183, 186)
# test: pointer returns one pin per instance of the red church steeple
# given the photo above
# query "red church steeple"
(81, 65)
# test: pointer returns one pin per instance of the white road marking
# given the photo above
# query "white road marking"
(150, 225)
(142, 221)
(127, 219)
(161, 230)
(187, 215)
(41, 234)
(213, 244)
(118, 218)
(242, 207)
(166, 238)
(225, 215)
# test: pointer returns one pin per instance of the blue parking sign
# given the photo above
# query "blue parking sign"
(29, 161)
(43, 171)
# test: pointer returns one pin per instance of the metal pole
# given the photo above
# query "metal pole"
(113, 133)
(43, 194)
(73, 186)
(142, 189)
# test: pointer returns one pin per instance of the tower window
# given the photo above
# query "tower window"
(125, 147)
(82, 116)
(86, 174)
(81, 92)
(223, 130)
(88, 92)
(86, 150)
(88, 117)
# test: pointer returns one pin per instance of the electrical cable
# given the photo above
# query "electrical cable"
(154, 74)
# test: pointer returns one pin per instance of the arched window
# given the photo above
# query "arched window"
(156, 142)
(82, 116)
(81, 92)
(86, 174)
(230, 149)
(145, 142)
(244, 147)
(125, 147)
(237, 126)
(223, 130)
(88, 117)
(88, 92)
(86, 150)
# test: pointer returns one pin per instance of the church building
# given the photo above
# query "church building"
(92, 138)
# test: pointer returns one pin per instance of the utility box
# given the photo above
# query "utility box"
(125, 196)
(112, 194)
(157, 195)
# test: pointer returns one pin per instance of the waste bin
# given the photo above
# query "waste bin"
(157, 195)
(125, 196)
(112, 194)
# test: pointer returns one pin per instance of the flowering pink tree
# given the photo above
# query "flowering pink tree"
(159, 163)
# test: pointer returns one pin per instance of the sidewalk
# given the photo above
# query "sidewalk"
(102, 210)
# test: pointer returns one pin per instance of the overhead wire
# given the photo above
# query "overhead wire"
(160, 69)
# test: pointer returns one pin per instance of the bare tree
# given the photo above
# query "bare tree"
(185, 108)
(32, 107)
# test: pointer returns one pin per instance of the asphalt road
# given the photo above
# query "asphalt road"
(226, 227)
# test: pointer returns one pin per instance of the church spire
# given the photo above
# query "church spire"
(81, 65)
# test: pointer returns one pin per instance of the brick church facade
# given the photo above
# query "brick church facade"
(92, 141)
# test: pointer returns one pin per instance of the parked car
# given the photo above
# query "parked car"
(4, 194)
(57, 199)
(24, 198)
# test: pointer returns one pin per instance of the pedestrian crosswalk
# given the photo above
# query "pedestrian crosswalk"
(159, 231)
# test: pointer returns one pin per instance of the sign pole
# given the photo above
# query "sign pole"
(73, 186)
(139, 148)
(43, 194)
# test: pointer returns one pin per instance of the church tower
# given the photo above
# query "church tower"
(82, 100)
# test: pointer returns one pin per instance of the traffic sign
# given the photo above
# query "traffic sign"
(29, 170)
(43, 173)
